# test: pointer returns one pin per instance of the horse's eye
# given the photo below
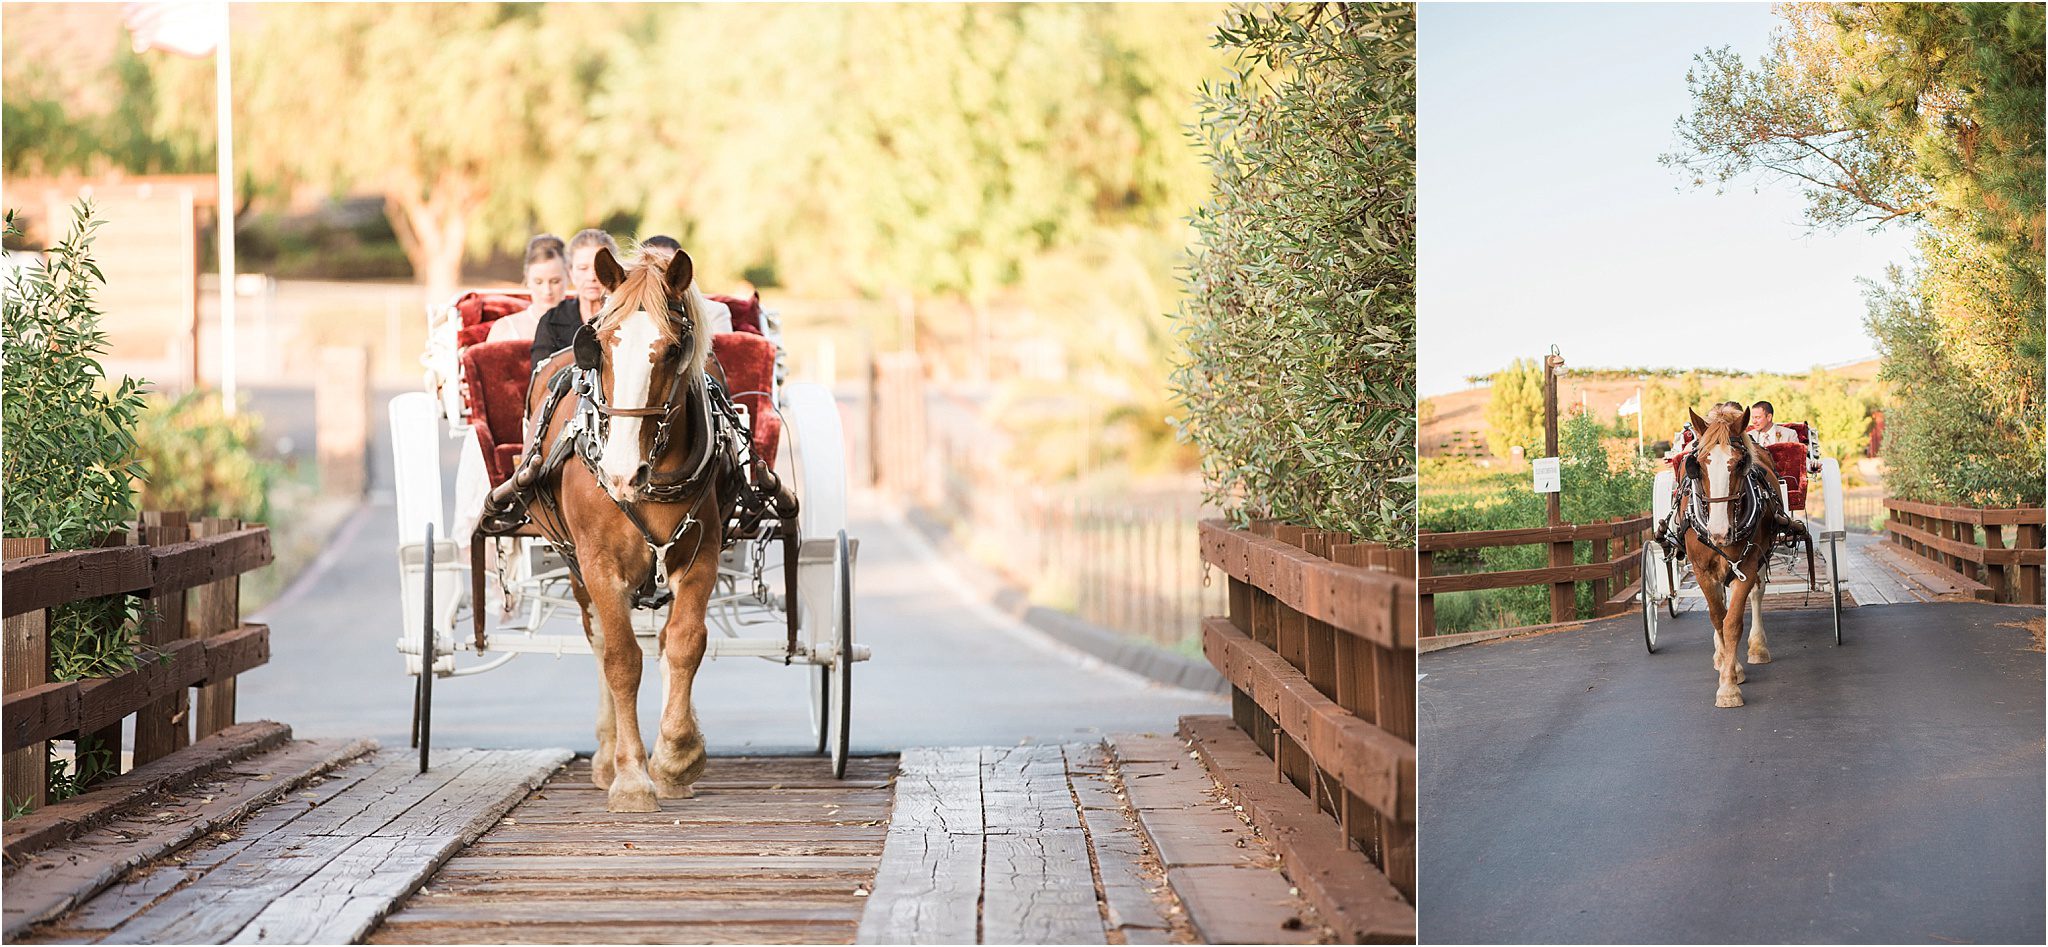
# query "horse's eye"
(675, 350)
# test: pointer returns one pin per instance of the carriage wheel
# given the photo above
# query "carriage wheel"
(1652, 568)
(424, 696)
(842, 601)
(1835, 583)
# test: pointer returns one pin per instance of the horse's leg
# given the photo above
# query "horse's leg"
(1729, 633)
(1759, 653)
(602, 769)
(1714, 592)
(679, 747)
(620, 661)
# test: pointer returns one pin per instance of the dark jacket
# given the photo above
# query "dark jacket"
(557, 328)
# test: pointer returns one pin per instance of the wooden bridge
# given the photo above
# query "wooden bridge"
(1290, 821)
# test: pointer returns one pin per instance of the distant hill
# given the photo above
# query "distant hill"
(1455, 424)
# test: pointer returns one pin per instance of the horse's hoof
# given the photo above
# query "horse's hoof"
(1741, 677)
(1728, 698)
(667, 789)
(1759, 657)
(632, 799)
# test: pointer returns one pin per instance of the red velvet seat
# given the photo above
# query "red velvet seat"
(479, 310)
(746, 313)
(749, 363)
(494, 376)
(1790, 462)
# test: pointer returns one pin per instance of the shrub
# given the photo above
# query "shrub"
(1298, 384)
(70, 461)
(195, 457)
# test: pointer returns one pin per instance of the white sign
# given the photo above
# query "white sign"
(1548, 478)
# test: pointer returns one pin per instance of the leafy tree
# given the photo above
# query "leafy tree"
(1514, 410)
(463, 116)
(1928, 115)
(1299, 319)
(80, 100)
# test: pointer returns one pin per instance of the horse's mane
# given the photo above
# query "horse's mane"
(646, 288)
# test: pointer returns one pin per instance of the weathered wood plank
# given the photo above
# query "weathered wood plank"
(1237, 904)
(35, 583)
(926, 889)
(1377, 606)
(61, 821)
(1121, 857)
(25, 663)
(570, 932)
(56, 879)
(1352, 896)
(177, 567)
(52, 710)
(1037, 888)
(348, 896)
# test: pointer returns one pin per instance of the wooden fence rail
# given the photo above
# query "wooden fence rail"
(1996, 551)
(1319, 649)
(188, 576)
(1616, 545)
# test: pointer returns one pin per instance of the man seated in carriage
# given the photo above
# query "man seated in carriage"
(1764, 429)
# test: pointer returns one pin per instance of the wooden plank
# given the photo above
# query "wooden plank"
(570, 932)
(928, 884)
(35, 583)
(176, 566)
(52, 710)
(56, 879)
(1512, 578)
(1351, 895)
(1241, 904)
(1377, 606)
(1038, 888)
(926, 890)
(1377, 766)
(1977, 516)
(1570, 532)
(62, 821)
(26, 664)
(346, 897)
(1121, 857)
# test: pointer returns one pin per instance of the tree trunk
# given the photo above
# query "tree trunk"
(433, 229)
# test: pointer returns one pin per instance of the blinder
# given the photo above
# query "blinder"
(589, 351)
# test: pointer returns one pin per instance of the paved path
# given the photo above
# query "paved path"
(948, 670)
(1574, 789)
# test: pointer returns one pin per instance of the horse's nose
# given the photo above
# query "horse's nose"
(1720, 539)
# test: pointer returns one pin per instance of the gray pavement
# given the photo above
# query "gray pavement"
(948, 670)
(1575, 789)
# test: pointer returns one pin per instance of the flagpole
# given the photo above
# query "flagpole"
(224, 121)
(1639, 422)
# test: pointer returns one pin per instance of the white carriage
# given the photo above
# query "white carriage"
(1666, 581)
(784, 592)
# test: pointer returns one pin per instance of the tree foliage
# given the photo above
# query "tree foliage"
(1928, 115)
(1299, 319)
(136, 114)
(1514, 410)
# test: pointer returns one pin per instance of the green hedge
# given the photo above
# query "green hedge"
(1298, 382)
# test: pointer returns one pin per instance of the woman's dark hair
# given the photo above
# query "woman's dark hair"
(662, 241)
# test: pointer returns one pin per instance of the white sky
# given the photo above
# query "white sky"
(1545, 218)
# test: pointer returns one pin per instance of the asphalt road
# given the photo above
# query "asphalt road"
(1575, 789)
(948, 670)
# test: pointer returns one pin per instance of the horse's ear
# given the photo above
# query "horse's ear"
(1746, 412)
(589, 351)
(681, 270)
(609, 272)
(1699, 425)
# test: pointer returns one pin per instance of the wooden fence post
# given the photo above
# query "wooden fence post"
(1425, 603)
(214, 609)
(2029, 536)
(1563, 603)
(27, 662)
(163, 727)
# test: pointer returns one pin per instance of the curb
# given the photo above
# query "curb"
(1145, 660)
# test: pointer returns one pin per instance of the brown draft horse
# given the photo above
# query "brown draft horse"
(639, 505)
(1730, 507)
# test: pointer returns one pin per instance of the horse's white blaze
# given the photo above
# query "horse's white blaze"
(632, 361)
(1718, 460)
